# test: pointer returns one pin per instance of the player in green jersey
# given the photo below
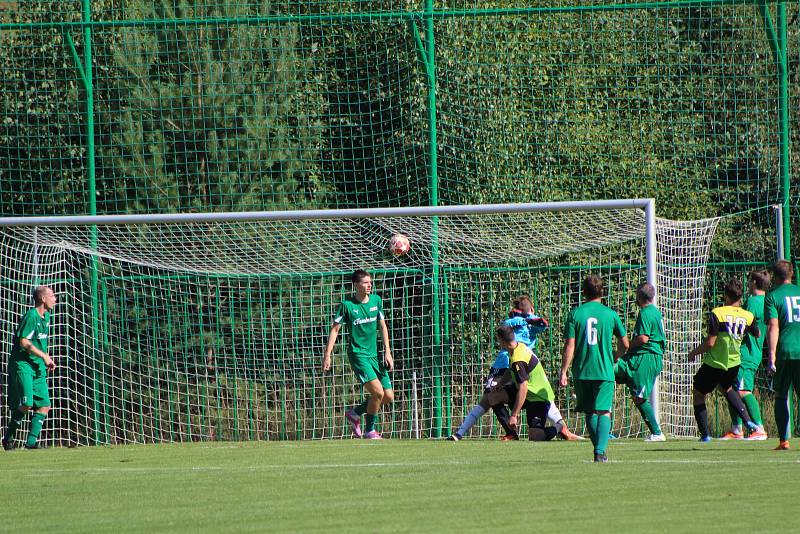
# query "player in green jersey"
(588, 348)
(721, 349)
(757, 286)
(533, 389)
(363, 314)
(782, 314)
(27, 370)
(641, 365)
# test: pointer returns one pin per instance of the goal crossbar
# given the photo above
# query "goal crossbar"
(255, 216)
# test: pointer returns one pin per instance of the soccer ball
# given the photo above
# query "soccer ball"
(399, 245)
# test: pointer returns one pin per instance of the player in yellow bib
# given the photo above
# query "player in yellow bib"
(721, 350)
(752, 352)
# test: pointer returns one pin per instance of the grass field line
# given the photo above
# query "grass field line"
(233, 468)
(702, 461)
(370, 465)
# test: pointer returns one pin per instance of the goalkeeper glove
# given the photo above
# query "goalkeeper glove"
(541, 322)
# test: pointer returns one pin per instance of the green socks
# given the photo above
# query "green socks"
(649, 416)
(603, 430)
(751, 404)
(37, 420)
(371, 418)
(752, 408)
(13, 424)
(591, 426)
(361, 408)
(599, 428)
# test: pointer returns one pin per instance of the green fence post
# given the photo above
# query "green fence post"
(783, 124)
(85, 71)
(783, 127)
(438, 354)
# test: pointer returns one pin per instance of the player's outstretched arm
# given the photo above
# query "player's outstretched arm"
(326, 358)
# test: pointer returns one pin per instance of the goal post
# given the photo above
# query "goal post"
(210, 326)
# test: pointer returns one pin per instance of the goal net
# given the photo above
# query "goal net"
(212, 327)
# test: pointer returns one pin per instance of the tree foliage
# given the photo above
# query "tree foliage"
(210, 117)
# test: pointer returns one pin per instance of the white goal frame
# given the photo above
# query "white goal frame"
(646, 205)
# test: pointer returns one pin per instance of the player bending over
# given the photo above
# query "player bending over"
(533, 390)
(500, 388)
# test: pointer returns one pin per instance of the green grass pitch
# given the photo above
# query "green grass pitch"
(402, 486)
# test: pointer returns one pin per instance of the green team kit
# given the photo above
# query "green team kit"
(362, 320)
(783, 304)
(593, 326)
(640, 367)
(27, 374)
(752, 348)
(27, 379)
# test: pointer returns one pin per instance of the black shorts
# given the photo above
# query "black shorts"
(536, 413)
(707, 378)
(495, 398)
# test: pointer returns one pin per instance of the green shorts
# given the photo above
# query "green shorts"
(594, 395)
(745, 379)
(787, 374)
(368, 369)
(639, 373)
(26, 387)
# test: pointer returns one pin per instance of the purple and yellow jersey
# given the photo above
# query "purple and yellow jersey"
(730, 324)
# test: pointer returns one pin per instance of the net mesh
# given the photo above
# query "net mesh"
(682, 250)
(206, 331)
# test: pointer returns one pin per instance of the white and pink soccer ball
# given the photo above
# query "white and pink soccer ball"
(399, 245)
